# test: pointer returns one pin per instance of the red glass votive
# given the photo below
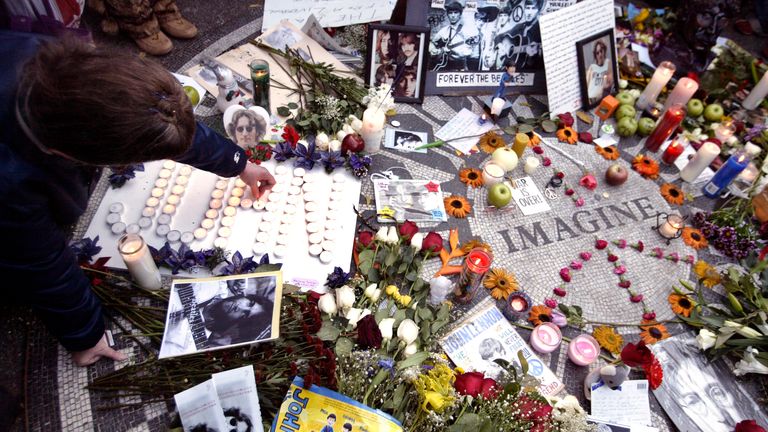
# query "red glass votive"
(674, 149)
(666, 127)
(476, 265)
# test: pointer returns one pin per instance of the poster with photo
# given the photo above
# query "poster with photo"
(213, 313)
(598, 75)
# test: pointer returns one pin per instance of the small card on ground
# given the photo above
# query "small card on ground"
(528, 197)
(413, 200)
(628, 404)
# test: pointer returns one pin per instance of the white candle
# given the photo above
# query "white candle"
(749, 174)
(492, 174)
(138, 260)
(497, 105)
(757, 94)
(670, 228)
(531, 163)
(682, 93)
(373, 129)
(724, 131)
(701, 160)
(660, 78)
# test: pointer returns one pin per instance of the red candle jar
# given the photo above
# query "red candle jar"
(476, 265)
(674, 150)
(667, 125)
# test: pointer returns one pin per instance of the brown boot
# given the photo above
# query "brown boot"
(172, 22)
(137, 19)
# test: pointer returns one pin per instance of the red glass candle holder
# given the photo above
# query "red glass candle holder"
(476, 265)
(667, 125)
(674, 149)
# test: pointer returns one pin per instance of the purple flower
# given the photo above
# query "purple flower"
(558, 318)
(620, 270)
(182, 259)
(283, 151)
(337, 278)
(306, 156)
(85, 249)
(121, 174)
(240, 265)
(332, 160)
(360, 164)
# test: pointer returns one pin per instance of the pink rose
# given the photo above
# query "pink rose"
(588, 181)
(576, 265)
(550, 302)
(620, 270)
(637, 298)
(560, 292)
(625, 284)
(601, 244)
(586, 256)
(565, 274)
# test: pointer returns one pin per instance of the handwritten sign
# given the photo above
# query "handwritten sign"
(528, 197)
(330, 13)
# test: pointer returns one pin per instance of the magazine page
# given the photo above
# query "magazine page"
(413, 200)
(214, 313)
(239, 398)
(318, 409)
(483, 336)
(199, 408)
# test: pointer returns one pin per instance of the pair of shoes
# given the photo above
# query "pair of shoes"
(744, 27)
(171, 21)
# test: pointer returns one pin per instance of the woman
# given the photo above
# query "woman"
(407, 86)
(599, 74)
(247, 128)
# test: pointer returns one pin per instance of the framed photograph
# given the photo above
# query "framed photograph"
(407, 141)
(220, 312)
(598, 76)
(397, 56)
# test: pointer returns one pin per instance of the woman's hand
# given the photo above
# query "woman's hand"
(258, 179)
(100, 350)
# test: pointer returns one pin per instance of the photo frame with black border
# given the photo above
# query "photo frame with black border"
(397, 54)
(585, 52)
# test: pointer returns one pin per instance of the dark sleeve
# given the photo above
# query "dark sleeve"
(213, 153)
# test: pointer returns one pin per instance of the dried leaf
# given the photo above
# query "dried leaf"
(585, 117)
(453, 239)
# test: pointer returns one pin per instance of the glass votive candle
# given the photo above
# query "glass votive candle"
(583, 350)
(493, 174)
(138, 260)
(518, 306)
(260, 77)
(476, 265)
(546, 337)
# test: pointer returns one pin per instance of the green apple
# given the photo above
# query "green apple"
(499, 195)
(192, 94)
(713, 112)
(695, 107)
(625, 111)
(645, 126)
(625, 98)
(627, 126)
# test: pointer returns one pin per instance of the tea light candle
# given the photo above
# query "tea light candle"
(531, 163)
(700, 161)
(492, 174)
(482, 119)
(138, 260)
(673, 151)
(545, 338)
(757, 94)
(682, 93)
(660, 78)
(666, 127)
(724, 131)
(583, 350)
(749, 174)
(496, 106)
(671, 227)
(476, 264)
(372, 131)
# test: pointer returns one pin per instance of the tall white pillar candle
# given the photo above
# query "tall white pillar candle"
(682, 93)
(757, 94)
(372, 130)
(138, 260)
(700, 161)
(660, 78)
(497, 105)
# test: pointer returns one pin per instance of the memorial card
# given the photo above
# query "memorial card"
(528, 197)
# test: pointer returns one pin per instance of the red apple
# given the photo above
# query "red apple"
(352, 143)
(616, 174)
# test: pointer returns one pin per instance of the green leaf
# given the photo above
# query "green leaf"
(523, 362)
(284, 111)
(425, 314)
(577, 308)
(381, 313)
(344, 346)
(328, 331)
(444, 311)
(437, 325)
(373, 276)
(509, 130)
(525, 128)
(418, 285)
(397, 398)
(414, 360)
(487, 426)
(549, 126)
(290, 289)
(411, 277)
(399, 316)
(466, 422)
(390, 259)
(293, 105)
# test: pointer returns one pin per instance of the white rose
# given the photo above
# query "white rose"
(341, 134)
(356, 124)
(321, 141)
(335, 145)
(407, 331)
(381, 234)
(327, 304)
(392, 236)
(706, 339)
(376, 295)
(416, 241)
(411, 349)
(385, 327)
(354, 315)
(348, 129)
(439, 288)
(345, 297)
(369, 290)
(352, 118)
(749, 364)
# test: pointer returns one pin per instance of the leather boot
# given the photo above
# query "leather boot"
(172, 22)
(135, 18)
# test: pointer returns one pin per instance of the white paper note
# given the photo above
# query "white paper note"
(528, 197)
(627, 405)
(330, 13)
(464, 123)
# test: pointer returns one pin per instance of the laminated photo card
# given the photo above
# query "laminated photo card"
(239, 398)
(199, 408)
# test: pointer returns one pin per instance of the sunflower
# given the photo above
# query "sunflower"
(533, 139)
(501, 283)
(672, 193)
(474, 243)
(681, 304)
(708, 275)
(490, 142)
(457, 206)
(609, 153)
(567, 135)
(694, 238)
(471, 177)
(540, 314)
(608, 338)
(652, 333)
(646, 166)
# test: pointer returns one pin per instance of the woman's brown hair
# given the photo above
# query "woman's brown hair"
(104, 107)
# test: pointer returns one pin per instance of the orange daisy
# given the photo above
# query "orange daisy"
(609, 153)
(540, 314)
(490, 142)
(457, 206)
(474, 243)
(501, 283)
(652, 331)
(694, 238)
(533, 139)
(681, 304)
(646, 166)
(672, 193)
(567, 135)
(471, 177)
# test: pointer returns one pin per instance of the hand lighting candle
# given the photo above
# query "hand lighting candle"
(666, 127)
(372, 131)
(546, 337)
(476, 264)
(660, 78)
(682, 93)
(730, 169)
(138, 260)
(674, 150)
(700, 161)
(260, 77)
(583, 350)
(757, 94)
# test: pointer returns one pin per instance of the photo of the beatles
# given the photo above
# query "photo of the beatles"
(396, 57)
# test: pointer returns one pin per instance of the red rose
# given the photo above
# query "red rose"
(566, 119)
(748, 426)
(585, 137)
(365, 238)
(489, 389)
(612, 258)
(368, 333)
(290, 135)
(650, 316)
(314, 296)
(407, 230)
(432, 242)
(654, 373)
(625, 284)
(601, 244)
(538, 150)
(634, 355)
(469, 383)
(532, 409)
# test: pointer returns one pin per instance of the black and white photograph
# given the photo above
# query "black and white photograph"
(407, 141)
(213, 313)
(396, 56)
(698, 394)
(598, 74)
(246, 127)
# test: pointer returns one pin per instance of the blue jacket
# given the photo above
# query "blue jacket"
(41, 195)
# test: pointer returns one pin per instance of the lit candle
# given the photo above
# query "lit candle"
(682, 93)
(724, 131)
(521, 142)
(260, 77)
(493, 173)
(531, 163)
(518, 306)
(497, 105)
(749, 174)
(757, 94)
(138, 260)
(546, 337)
(372, 130)
(700, 161)
(476, 264)
(671, 227)
(482, 119)
(674, 149)
(660, 78)
(583, 350)
(667, 125)
(731, 168)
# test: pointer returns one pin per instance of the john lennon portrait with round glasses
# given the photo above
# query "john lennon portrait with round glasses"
(597, 67)
(247, 128)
